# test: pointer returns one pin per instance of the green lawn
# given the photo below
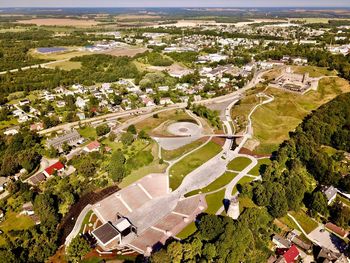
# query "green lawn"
(66, 65)
(15, 221)
(217, 184)
(88, 132)
(85, 221)
(179, 170)
(244, 180)
(173, 154)
(153, 167)
(255, 170)
(314, 72)
(272, 122)
(187, 231)
(306, 222)
(245, 202)
(215, 201)
(239, 163)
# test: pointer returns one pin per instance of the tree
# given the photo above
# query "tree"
(143, 135)
(77, 249)
(132, 129)
(66, 147)
(102, 130)
(319, 203)
(44, 207)
(116, 167)
(127, 138)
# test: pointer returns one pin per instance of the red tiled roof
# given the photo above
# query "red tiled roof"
(336, 229)
(55, 167)
(93, 145)
(291, 255)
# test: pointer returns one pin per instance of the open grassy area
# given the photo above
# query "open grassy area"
(217, 184)
(88, 132)
(153, 167)
(66, 65)
(187, 231)
(173, 154)
(255, 170)
(70, 53)
(314, 72)
(151, 123)
(179, 170)
(15, 221)
(273, 121)
(85, 221)
(306, 222)
(244, 180)
(215, 201)
(239, 163)
(245, 202)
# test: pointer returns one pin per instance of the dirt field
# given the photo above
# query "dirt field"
(126, 51)
(59, 22)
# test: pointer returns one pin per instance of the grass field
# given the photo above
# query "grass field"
(244, 180)
(65, 65)
(151, 123)
(88, 132)
(85, 221)
(239, 163)
(187, 231)
(215, 201)
(307, 223)
(255, 170)
(314, 72)
(153, 167)
(173, 154)
(273, 121)
(217, 184)
(179, 170)
(245, 202)
(15, 221)
(70, 53)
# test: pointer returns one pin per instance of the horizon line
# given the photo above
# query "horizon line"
(238, 7)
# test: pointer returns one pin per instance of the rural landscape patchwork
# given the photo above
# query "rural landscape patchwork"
(169, 134)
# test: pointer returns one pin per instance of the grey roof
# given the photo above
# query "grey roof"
(105, 233)
(330, 192)
(282, 240)
(36, 179)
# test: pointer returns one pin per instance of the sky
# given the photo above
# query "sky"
(174, 3)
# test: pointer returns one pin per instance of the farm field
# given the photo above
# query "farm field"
(179, 170)
(273, 121)
(59, 22)
(66, 65)
(126, 51)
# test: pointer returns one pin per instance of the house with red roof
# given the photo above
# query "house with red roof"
(92, 147)
(56, 167)
(291, 254)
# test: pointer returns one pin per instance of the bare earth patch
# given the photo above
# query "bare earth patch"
(58, 22)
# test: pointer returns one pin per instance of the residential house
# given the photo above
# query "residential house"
(80, 103)
(70, 137)
(337, 230)
(12, 130)
(52, 169)
(330, 193)
(37, 126)
(281, 242)
(24, 102)
(165, 101)
(28, 209)
(92, 147)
